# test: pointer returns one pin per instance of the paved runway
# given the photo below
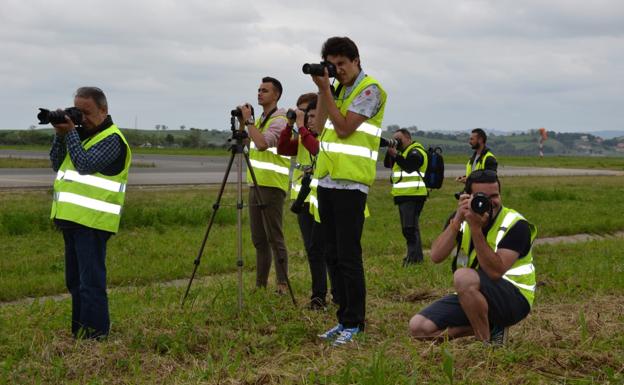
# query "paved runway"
(181, 170)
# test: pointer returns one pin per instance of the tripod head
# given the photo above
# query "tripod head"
(238, 136)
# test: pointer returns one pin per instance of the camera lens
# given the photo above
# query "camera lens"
(480, 203)
(313, 69)
(237, 113)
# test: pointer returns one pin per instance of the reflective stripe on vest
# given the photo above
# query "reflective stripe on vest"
(409, 183)
(91, 180)
(270, 168)
(93, 204)
(94, 200)
(522, 272)
(352, 158)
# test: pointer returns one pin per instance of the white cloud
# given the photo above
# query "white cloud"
(445, 64)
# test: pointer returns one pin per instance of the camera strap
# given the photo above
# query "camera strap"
(266, 119)
(336, 91)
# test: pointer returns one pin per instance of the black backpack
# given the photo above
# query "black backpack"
(434, 176)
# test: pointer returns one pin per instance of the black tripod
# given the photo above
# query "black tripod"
(238, 136)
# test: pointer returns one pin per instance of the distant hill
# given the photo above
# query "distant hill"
(609, 134)
(525, 143)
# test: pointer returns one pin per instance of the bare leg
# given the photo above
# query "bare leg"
(424, 329)
(467, 283)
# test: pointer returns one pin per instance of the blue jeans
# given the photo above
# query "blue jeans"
(85, 277)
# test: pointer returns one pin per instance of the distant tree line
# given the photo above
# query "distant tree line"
(451, 143)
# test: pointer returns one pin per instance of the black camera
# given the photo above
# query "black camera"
(388, 142)
(480, 203)
(297, 205)
(238, 113)
(291, 114)
(57, 117)
(319, 69)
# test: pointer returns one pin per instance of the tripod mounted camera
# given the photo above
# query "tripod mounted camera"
(239, 135)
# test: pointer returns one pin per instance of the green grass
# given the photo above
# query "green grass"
(138, 150)
(594, 162)
(574, 334)
(161, 229)
(12, 162)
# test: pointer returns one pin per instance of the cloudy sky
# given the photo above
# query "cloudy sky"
(446, 64)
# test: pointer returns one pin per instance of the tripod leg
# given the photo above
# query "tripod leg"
(239, 219)
(215, 207)
(260, 202)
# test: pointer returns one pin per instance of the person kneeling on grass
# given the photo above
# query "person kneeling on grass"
(493, 270)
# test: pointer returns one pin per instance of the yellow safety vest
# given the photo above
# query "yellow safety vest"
(93, 200)
(353, 158)
(480, 164)
(522, 272)
(304, 159)
(270, 168)
(410, 183)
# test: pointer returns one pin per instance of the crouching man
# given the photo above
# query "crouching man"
(493, 272)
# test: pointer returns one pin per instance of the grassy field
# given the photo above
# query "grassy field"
(595, 162)
(160, 235)
(139, 150)
(574, 335)
(12, 162)
(591, 162)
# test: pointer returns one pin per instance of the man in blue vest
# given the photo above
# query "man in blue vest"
(493, 272)
(408, 161)
(92, 162)
(350, 115)
(272, 174)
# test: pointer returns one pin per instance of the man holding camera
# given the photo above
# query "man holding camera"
(305, 147)
(272, 172)
(345, 168)
(493, 272)
(482, 158)
(92, 159)
(408, 161)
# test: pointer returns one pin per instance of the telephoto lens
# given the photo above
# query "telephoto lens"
(291, 115)
(388, 142)
(237, 113)
(56, 117)
(313, 69)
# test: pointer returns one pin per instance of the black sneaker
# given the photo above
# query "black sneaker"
(498, 335)
(317, 304)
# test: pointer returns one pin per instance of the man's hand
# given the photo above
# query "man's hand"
(245, 113)
(64, 128)
(475, 221)
(300, 118)
(392, 151)
(461, 179)
(463, 207)
(322, 82)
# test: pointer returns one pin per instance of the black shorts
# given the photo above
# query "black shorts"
(506, 305)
